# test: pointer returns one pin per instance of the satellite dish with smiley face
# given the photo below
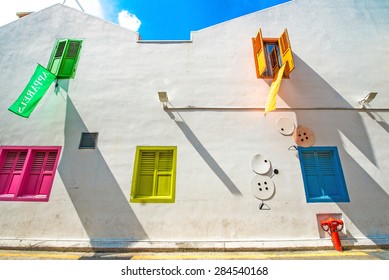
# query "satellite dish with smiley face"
(262, 187)
(303, 136)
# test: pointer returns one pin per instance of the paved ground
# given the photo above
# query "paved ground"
(371, 254)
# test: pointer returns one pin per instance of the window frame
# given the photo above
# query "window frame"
(321, 172)
(270, 72)
(136, 176)
(63, 57)
(262, 54)
(88, 137)
(26, 173)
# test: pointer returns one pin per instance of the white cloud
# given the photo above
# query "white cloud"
(129, 21)
(9, 8)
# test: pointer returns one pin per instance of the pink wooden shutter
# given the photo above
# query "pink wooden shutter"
(41, 173)
(11, 171)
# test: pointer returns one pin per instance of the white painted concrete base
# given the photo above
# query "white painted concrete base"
(130, 245)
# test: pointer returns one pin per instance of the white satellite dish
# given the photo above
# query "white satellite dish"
(285, 126)
(260, 164)
(262, 187)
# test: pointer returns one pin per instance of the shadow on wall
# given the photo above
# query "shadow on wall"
(369, 206)
(301, 85)
(380, 120)
(206, 156)
(103, 209)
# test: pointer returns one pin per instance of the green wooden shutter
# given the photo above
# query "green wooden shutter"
(70, 59)
(64, 58)
(56, 58)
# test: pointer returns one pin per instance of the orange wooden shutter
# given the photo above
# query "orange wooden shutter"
(259, 54)
(286, 52)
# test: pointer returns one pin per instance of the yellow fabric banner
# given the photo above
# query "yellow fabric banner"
(273, 91)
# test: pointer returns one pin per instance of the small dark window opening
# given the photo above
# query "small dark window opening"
(88, 140)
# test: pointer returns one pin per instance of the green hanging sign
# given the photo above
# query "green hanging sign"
(33, 92)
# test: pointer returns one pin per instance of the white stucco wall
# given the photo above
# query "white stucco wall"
(215, 118)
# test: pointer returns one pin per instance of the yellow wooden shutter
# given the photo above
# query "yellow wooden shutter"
(146, 174)
(286, 53)
(154, 175)
(164, 173)
(259, 54)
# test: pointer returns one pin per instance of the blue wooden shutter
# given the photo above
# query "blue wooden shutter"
(311, 175)
(323, 175)
(327, 173)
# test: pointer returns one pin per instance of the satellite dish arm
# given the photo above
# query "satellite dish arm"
(78, 3)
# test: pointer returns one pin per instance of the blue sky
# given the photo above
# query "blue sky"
(153, 19)
(174, 19)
